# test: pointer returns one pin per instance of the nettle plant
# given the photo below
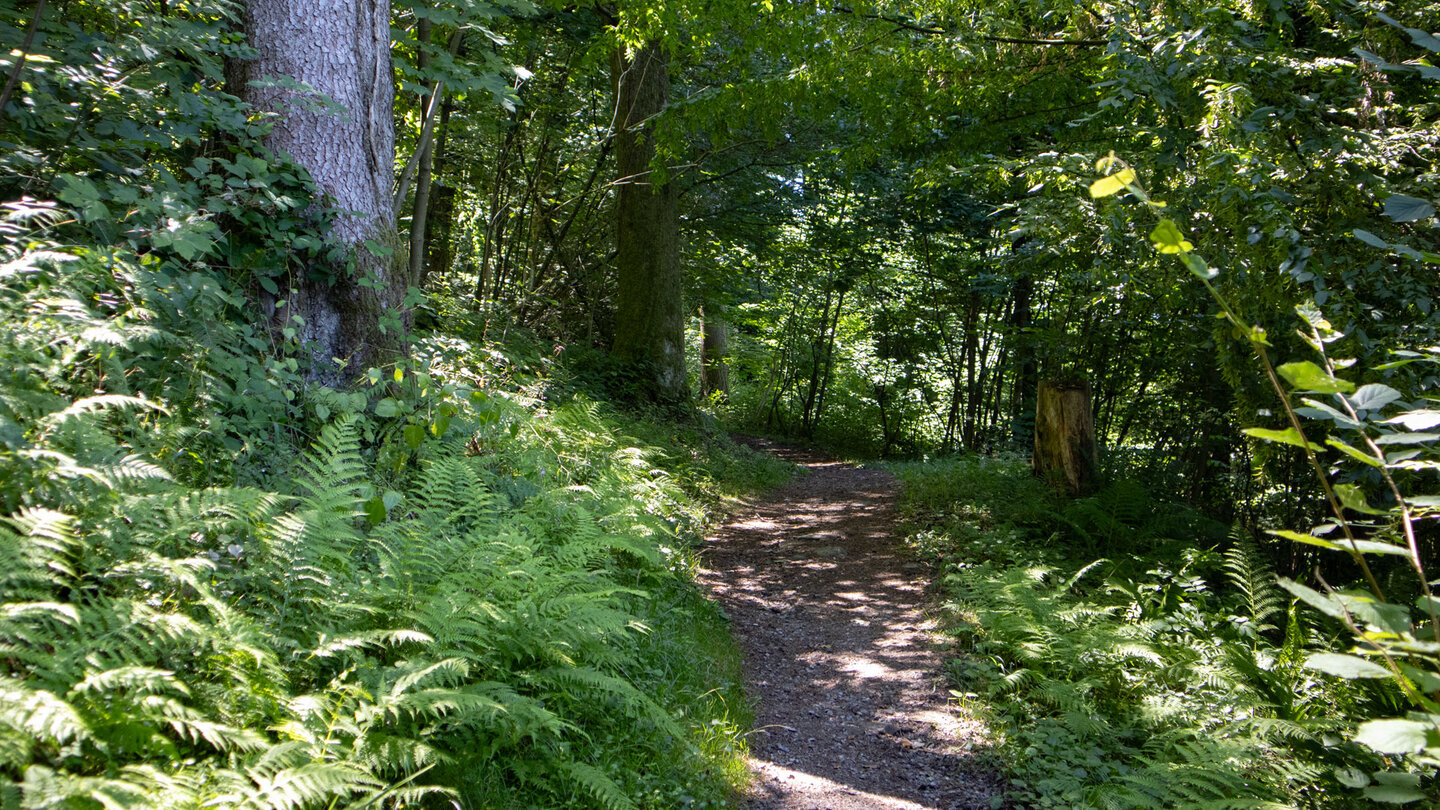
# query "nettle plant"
(1379, 446)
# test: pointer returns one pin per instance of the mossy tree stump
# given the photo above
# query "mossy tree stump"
(1065, 436)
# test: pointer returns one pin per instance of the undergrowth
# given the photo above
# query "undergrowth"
(1130, 652)
(223, 588)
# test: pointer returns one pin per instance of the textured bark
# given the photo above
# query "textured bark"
(714, 346)
(346, 139)
(420, 213)
(650, 313)
(1065, 436)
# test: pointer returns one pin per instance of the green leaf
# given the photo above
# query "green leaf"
(322, 411)
(1416, 420)
(1358, 455)
(387, 408)
(1393, 794)
(1371, 239)
(1349, 667)
(1287, 436)
(1308, 539)
(1373, 397)
(1407, 438)
(1353, 497)
(1320, 410)
(440, 425)
(1307, 376)
(391, 499)
(1394, 736)
(1167, 238)
(414, 436)
(1352, 777)
(374, 510)
(1198, 267)
(1114, 184)
(1401, 208)
(1328, 605)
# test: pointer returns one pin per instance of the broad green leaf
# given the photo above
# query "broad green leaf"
(1353, 497)
(1401, 208)
(1167, 238)
(1365, 609)
(414, 436)
(1407, 438)
(1308, 539)
(440, 425)
(1349, 667)
(1371, 239)
(387, 408)
(1373, 547)
(1307, 376)
(1321, 410)
(391, 499)
(1358, 455)
(322, 411)
(1114, 184)
(1328, 605)
(1416, 420)
(1198, 267)
(1286, 436)
(1394, 736)
(1352, 777)
(374, 510)
(1373, 397)
(1393, 794)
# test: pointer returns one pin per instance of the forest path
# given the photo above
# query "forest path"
(852, 709)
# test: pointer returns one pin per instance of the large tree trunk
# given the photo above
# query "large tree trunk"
(1065, 436)
(342, 49)
(650, 313)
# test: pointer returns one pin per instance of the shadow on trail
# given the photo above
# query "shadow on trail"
(851, 709)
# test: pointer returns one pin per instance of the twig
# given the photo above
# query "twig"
(20, 60)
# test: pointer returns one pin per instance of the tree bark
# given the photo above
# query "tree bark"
(1065, 436)
(714, 346)
(420, 212)
(650, 313)
(345, 138)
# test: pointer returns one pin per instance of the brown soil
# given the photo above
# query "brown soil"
(842, 664)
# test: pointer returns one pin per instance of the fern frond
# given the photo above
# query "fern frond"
(601, 787)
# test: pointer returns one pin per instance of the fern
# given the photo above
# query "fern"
(1252, 577)
(599, 786)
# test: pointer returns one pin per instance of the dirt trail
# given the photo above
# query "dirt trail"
(844, 668)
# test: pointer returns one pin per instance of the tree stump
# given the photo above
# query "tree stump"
(1065, 436)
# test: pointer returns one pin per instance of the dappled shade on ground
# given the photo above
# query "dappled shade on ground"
(851, 708)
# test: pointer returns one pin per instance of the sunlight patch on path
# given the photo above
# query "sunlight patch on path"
(823, 792)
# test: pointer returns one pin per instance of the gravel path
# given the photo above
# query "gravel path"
(841, 662)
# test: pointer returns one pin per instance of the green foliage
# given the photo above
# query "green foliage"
(1165, 675)
(499, 607)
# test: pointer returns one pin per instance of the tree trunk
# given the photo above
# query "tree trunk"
(1065, 436)
(342, 49)
(420, 213)
(714, 346)
(650, 313)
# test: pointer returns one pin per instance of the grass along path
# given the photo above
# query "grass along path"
(842, 664)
